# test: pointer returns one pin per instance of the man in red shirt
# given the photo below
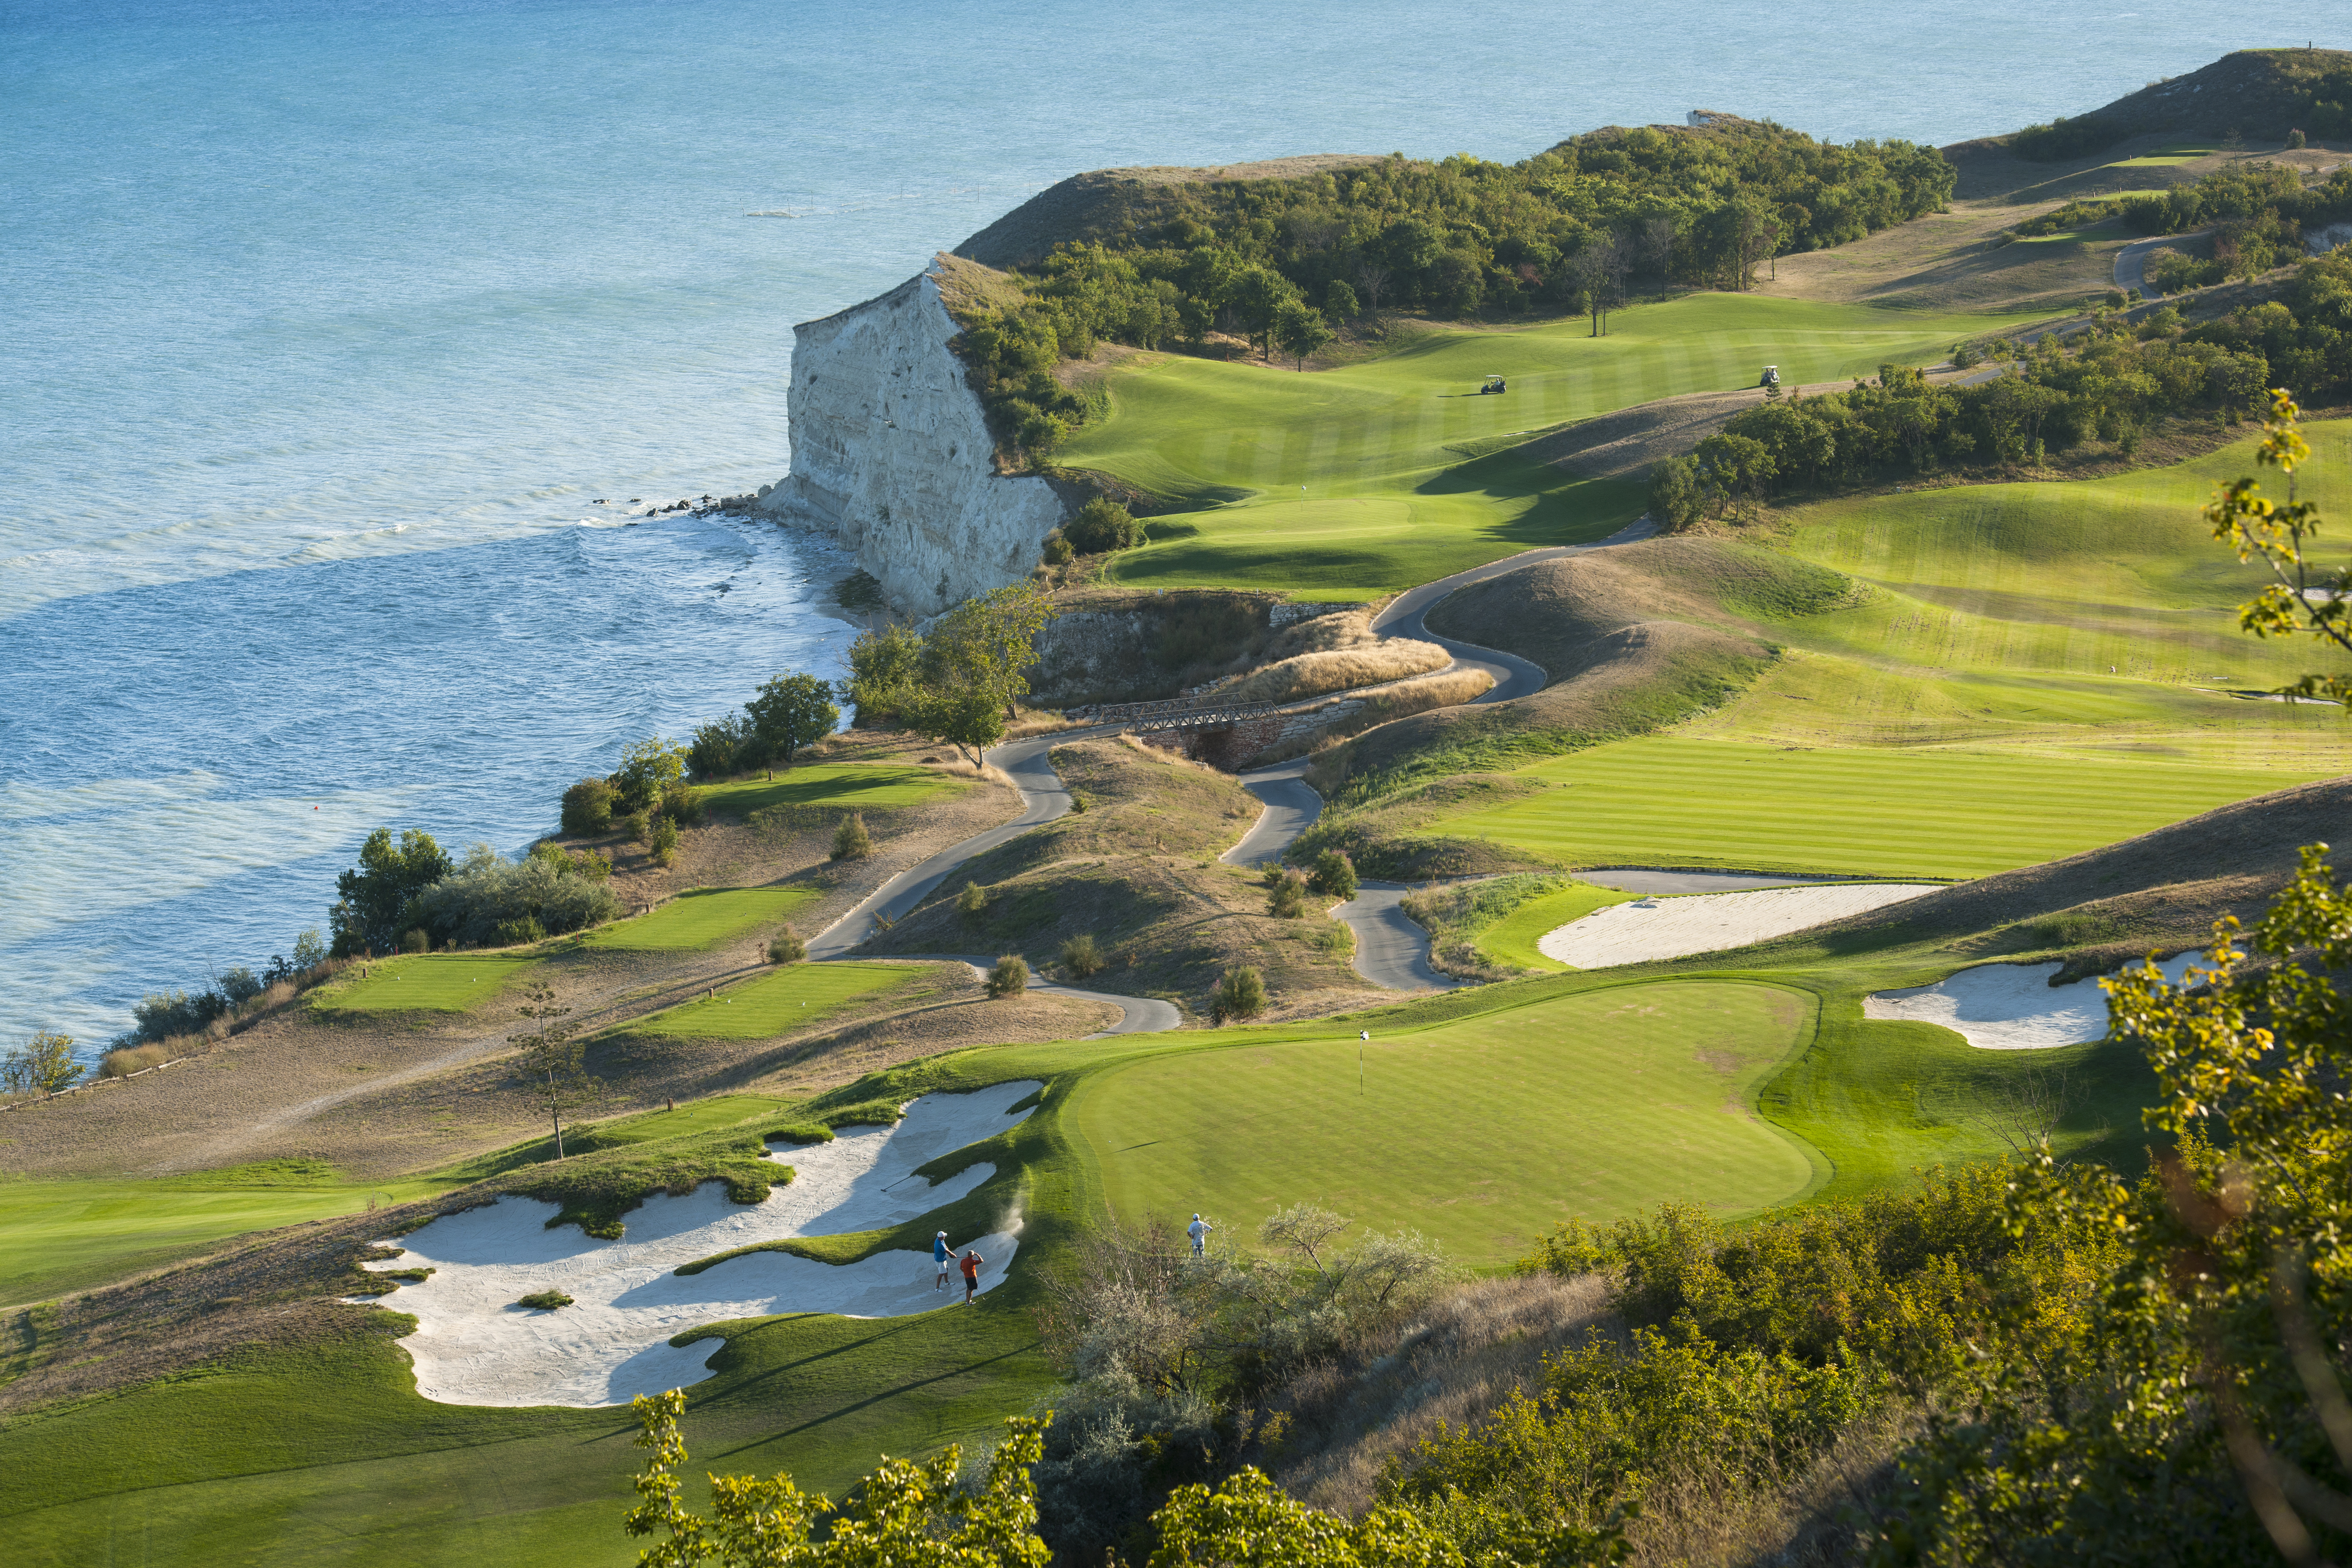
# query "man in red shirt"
(970, 1275)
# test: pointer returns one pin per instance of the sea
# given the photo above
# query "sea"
(324, 324)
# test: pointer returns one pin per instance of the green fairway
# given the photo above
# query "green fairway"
(424, 982)
(703, 918)
(1681, 801)
(1481, 1135)
(60, 1236)
(1407, 473)
(857, 786)
(1512, 939)
(792, 996)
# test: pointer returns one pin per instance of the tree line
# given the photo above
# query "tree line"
(2105, 382)
(2259, 217)
(1576, 229)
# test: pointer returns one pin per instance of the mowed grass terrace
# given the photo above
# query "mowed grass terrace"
(425, 983)
(702, 917)
(856, 785)
(1381, 475)
(794, 995)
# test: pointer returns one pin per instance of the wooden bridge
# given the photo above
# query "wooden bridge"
(1177, 713)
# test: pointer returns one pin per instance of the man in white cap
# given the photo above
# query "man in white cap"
(943, 1254)
(1198, 1231)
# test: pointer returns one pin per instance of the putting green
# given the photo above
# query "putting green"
(1513, 938)
(423, 983)
(1482, 1134)
(61, 1236)
(1408, 474)
(795, 995)
(857, 786)
(701, 918)
(1680, 801)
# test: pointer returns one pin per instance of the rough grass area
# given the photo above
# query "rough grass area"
(790, 998)
(420, 983)
(1341, 670)
(1398, 455)
(853, 786)
(1138, 871)
(703, 918)
(1674, 800)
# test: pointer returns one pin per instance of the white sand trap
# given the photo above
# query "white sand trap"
(474, 1346)
(1712, 922)
(2010, 1006)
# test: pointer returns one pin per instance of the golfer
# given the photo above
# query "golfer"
(970, 1275)
(942, 1254)
(1198, 1231)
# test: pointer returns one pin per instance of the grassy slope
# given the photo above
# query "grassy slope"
(857, 786)
(423, 983)
(1512, 939)
(790, 998)
(2021, 679)
(1381, 445)
(702, 917)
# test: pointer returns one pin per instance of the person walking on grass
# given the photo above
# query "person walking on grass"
(1198, 1231)
(942, 1254)
(972, 1261)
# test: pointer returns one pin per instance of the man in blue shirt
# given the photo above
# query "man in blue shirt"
(942, 1254)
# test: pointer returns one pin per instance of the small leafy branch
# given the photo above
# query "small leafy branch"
(2303, 600)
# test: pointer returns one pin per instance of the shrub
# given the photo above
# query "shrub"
(1009, 978)
(1288, 899)
(972, 902)
(520, 932)
(787, 948)
(1102, 526)
(1964, 356)
(129, 1059)
(588, 808)
(544, 1301)
(683, 806)
(416, 940)
(2294, 140)
(1081, 956)
(1058, 550)
(43, 1064)
(560, 892)
(663, 844)
(1240, 993)
(1078, 802)
(719, 747)
(162, 1013)
(850, 840)
(637, 826)
(647, 772)
(1334, 875)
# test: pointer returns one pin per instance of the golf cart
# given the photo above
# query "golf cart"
(1494, 384)
(1771, 377)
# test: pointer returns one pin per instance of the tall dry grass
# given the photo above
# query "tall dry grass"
(1341, 670)
(1693, 1518)
(1445, 690)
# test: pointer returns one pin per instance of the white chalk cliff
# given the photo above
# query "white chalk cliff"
(891, 451)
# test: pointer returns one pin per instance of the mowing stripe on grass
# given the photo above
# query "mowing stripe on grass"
(795, 995)
(857, 786)
(1677, 801)
(424, 982)
(704, 917)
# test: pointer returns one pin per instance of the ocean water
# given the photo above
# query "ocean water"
(325, 322)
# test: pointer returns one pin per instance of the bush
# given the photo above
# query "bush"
(42, 1064)
(1334, 875)
(416, 940)
(1058, 550)
(519, 932)
(1081, 956)
(544, 1301)
(129, 1059)
(663, 844)
(719, 747)
(2294, 140)
(1102, 526)
(638, 826)
(850, 840)
(683, 806)
(1288, 899)
(588, 808)
(1240, 993)
(559, 892)
(787, 948)
(972, 902)
(647, 772)
(1009, 978)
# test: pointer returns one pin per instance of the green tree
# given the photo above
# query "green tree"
(372, 896)
(588, 808)
(1334, 875)
(1677, 498)
(43, 1064)
(647, 771)
(791, 712)
(1102, 526)
(1258, 296)
(2304, 599)
(974, 665)
(553, 1064)
(713, 750)
(1339, 301)
(1301, 329)
(883, 666)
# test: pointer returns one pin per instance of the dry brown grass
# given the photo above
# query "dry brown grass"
(1693, 1518)
(1340, 669)
(134, 1058)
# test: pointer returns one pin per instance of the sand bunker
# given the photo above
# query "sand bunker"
(474, 1346)
(1712, 922)
(2010, 1006)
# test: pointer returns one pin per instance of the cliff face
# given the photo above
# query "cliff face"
(891, 450)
